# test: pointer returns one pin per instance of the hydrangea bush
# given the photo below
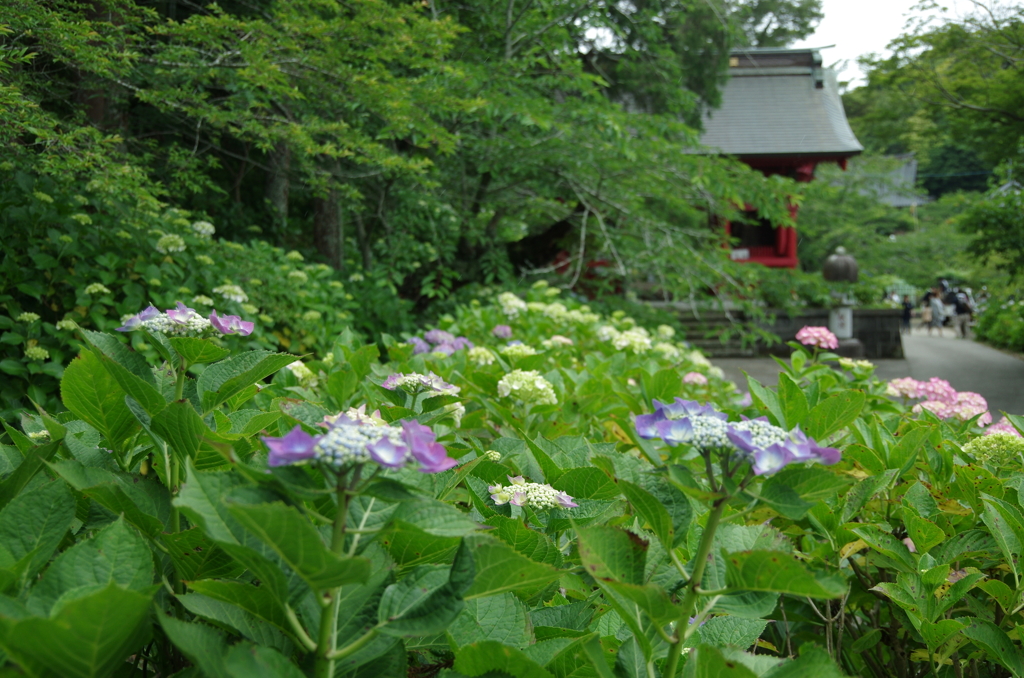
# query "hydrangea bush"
(593, 507)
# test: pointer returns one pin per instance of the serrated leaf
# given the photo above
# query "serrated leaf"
(496, 568)
(95, 397)
(652, 511)
(109, 490)
(488, 657)
(834, 413)
(586, 483)
(182, 428)
(297, 542)
(420, 604)
(533, 544)
(221, 381)
(996, 644)
(33, 525)
(612, 554)
(889, 546)
(196, 556)
(255, 600)
(779, 572)
(198, 351)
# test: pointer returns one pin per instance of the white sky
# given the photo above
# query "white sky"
(858, 27)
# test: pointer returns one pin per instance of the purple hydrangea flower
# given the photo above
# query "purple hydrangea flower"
(181, 314)
(461, 343)
(565, 501)
(647, 424)
(502, 331)
(421, 441)
(439, 337)
(148, 313)
(419, 346)
(446, 348)
(294, 447)
(675, 431)
(688, 408)
(230, 324)
(386, 453)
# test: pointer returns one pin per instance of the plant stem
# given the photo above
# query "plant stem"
(692, 588)
(330, 599)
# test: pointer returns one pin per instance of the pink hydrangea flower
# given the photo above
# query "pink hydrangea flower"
(695, 378)
(819, 337)
(907, 387)
(937, 389)
(1003, 426)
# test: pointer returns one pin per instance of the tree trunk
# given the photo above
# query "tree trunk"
(364, 241)
(328, 229)
(280, 161)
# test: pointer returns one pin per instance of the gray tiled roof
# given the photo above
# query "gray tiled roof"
(779, 111)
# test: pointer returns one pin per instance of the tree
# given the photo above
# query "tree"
(775, 23)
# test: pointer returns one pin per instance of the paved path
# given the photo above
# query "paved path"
(966, 365)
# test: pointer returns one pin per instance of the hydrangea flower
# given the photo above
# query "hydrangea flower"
(96, 288)
(414, 383)
(439, 337)
(517, 351)
(665, 332)
(351, 442)
(502, 331)
(481, 355)
(1004, 426)
(204, 229)
(905, 387)
(519, 492)
(298, 276)
(819, 337)
(294, 255)
(204, 260)
(667, 350)
(232, 293)
(607, 333)
(37, 353)
(528, 387)
(493, 455)
(356, 414)
(419, 346)
(636, 340)
(304, 375)
(312, 316)
(202, 300)
(557, 340)
(998, 448)
(170, 243)
(67, 324)
(231, 324)
(695, 378)
(771, 448)
(27, 317)
(511, 305)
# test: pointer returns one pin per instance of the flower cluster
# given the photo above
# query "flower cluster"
(528, 387)
(819, 337)
(184, 321)
(557, 340)
(96, 288)
(511, 305)
(204, 229)
(517, 350)
(1003, 426)
(636, 340)
(535, 495)
(997, 449)
(170, 243)
(439, 341)
(304, 375)
(767, 447)
(36, 353)
(232, 293)
(414, 383)
(356, 414)
(941, 399)
(668, 351)
(850, 365)
(351, 442)
(695, 378)
(502, 331)
(67, 324)
(481, 355)
(27, 317)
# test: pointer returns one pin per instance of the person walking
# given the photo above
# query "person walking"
(938, 310)
(908, 311)
(962, 320)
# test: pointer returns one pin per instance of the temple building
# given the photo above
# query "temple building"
(781, 114)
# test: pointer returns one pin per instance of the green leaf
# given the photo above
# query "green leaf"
(421, 603)
(89, 637)
(867, 641)
(182, 428)
(436, 518)
(708, 662)
(502, 618)
(197, 351)
(33, 525)
(128, 368)
(254, 661)
(95, 397)
(813, 662)
(196, 556)
(410, 546)
(114, 493)
(863, 491)
(223, 380)
(924, 533)
(766, 401)
(586, 483)
(665, 385)
(496, 568)
(489, 657)
(794, 402)
(834, 413)
(779, 572)
(781, 497)
(200, 501)
(203, 645)
(115, 555)
(34, 460)
(299, 544)
(612, 554)
(256, 600)
(1001, 593)
(889, 546)
(903, 454)
(533, 544)
(1006, 525)
(651, 598)
(652, 511)
(995, 643)
(728, 630)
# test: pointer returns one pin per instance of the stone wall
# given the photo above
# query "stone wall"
(877, 328)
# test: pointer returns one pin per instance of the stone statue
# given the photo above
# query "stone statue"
(840, 267)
